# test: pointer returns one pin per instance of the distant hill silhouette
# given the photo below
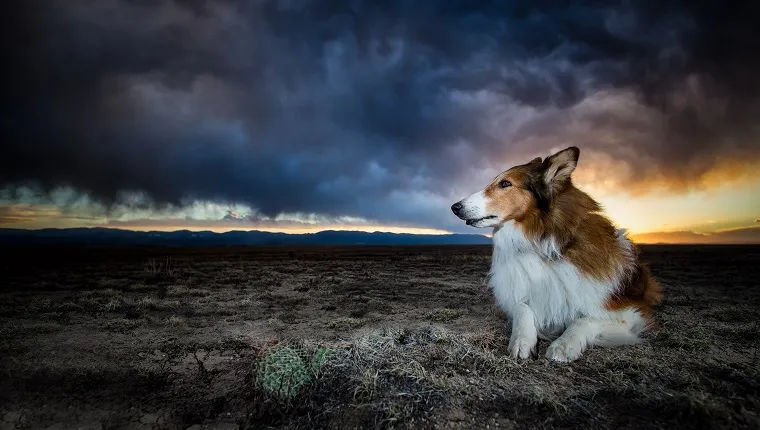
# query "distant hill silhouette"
(117, 237)
(739, 236)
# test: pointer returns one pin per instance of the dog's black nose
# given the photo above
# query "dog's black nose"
(456, 207)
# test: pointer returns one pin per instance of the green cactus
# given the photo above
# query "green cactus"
(320, 358)
(284, 370)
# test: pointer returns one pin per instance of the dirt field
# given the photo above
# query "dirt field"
(353, 337)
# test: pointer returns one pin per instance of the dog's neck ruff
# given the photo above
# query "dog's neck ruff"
(508, 239)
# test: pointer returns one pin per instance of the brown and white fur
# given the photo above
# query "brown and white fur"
(560, 269)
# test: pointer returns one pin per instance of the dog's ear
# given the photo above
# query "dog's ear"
(560, 166)
(535, 160)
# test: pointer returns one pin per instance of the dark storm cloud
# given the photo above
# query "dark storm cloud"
(383, 110)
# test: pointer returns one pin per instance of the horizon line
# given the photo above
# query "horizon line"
(443, 233)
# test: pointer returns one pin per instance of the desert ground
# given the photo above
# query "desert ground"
(353, 337)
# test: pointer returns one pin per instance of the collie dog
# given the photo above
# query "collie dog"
(560, 270)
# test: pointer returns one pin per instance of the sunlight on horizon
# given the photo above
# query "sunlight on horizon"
(728, 207)
(289, 230)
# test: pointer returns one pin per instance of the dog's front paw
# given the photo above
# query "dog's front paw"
(564, 350)
(522, 346)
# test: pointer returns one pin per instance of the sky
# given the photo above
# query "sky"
(300, 116)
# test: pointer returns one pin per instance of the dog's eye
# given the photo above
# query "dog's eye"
(505, 184)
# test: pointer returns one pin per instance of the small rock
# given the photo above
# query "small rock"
(456, 414)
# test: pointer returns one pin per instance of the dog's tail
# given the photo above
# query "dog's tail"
(628, 331)
(649, 290)
(652, 288)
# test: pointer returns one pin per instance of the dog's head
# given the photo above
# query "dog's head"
(518, 191)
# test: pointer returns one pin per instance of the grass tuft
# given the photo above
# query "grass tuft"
(175, 321)
(444, 314)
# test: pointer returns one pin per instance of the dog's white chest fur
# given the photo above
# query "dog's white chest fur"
(535, 274)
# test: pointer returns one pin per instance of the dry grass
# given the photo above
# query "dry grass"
(346, 323)
(99, 338)
(402, 377)
(175, 320)
(140, 286)
(185, 291)
(159, 267)
(113, 304)
(444, 314)
(249, 301)
(150, 303)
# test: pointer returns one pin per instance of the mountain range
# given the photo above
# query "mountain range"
(118, 237)
(738, 236)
